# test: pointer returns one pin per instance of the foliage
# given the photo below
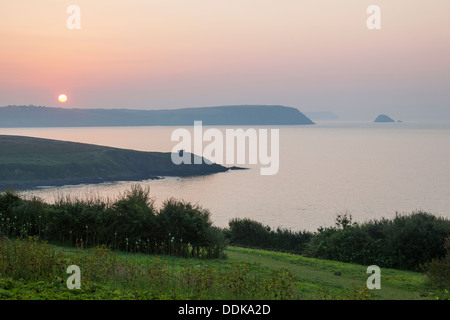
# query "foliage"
(184, 225)
(130, 224)
(247, 232)
(438, 270)
(405, 242)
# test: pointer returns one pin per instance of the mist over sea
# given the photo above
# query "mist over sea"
(371, 170)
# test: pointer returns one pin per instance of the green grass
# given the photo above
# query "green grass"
(244, 274)
(316, 278)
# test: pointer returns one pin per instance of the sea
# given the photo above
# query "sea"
(368, 170)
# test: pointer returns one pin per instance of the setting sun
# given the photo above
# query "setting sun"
(62, 98)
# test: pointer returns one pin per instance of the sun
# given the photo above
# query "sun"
(62, 98)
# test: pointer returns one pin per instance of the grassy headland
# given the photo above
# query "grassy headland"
(31, 162)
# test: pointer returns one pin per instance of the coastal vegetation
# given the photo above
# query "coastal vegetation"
(130, 224)
(405, 242)
(129, 249)
(34, 269)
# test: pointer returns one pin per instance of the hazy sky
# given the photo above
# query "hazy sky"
(156, 54)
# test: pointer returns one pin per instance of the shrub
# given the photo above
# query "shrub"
(9, 224)
(217, 243)
(352, 244)
(414, 239)
(247, 232)
(185, 224)
(8, 200)
(405, 242)
(438, 270)
(130, 224)
(134, 219)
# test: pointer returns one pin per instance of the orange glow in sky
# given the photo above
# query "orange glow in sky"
(153, 54)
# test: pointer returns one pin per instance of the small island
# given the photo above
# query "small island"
(383, 118)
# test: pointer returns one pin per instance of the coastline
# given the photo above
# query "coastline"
(27, 163)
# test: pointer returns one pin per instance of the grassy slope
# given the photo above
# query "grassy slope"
(315, 278)
(31, 161)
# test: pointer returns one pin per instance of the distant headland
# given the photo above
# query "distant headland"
(39, 116)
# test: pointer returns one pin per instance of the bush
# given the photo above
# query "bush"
(412, 240)
(352, 244)
(246, 232)
(405, 242)
(130, 224)
(134, 220)
(9, 199)
(438, 270)
(217, 243)
(9, 224)
(183, 224)
(133, 224)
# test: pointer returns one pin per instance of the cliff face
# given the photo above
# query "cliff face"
(29, 162)
(383, 118)
(29, 116)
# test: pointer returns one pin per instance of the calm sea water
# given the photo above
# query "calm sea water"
(370, 170)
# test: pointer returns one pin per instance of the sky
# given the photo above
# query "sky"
(315, 55)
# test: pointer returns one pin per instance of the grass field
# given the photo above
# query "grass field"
(315, 279)
(245, 274)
